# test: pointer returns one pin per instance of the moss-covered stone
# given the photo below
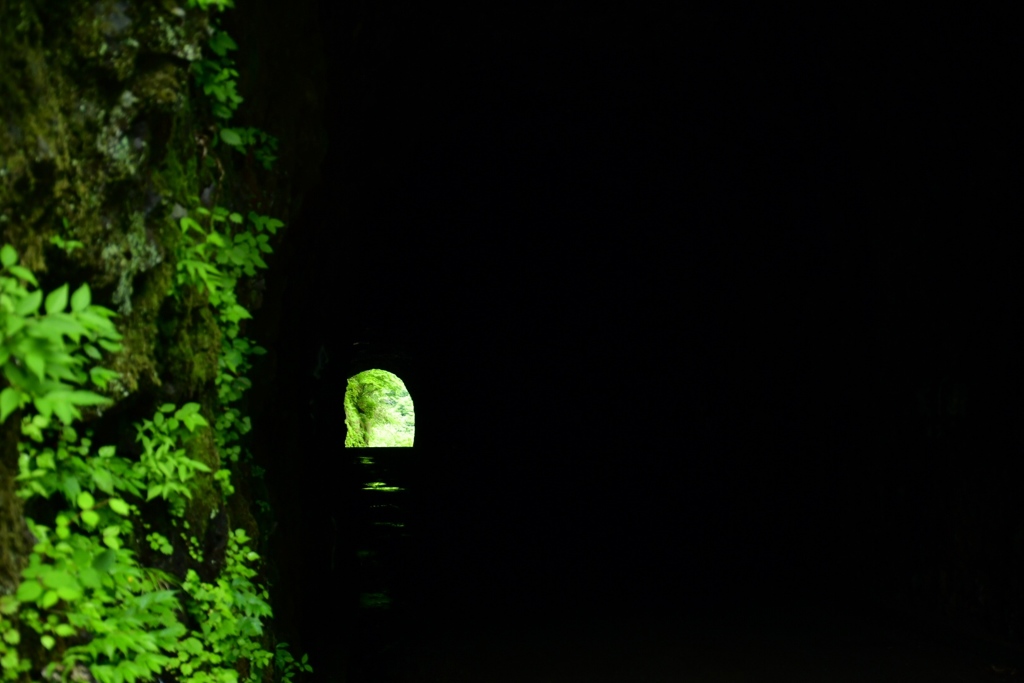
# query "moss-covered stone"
(378, 411)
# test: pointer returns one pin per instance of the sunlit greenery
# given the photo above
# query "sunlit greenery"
(378, 411)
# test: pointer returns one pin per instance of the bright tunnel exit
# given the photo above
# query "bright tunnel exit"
(378, 411)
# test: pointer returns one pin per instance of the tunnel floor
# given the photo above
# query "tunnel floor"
(778, 645)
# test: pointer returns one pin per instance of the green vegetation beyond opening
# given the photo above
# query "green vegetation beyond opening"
(378, 411)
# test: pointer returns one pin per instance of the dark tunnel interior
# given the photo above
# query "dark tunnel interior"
(681, 302)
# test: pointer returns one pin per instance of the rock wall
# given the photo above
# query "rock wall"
(110, 137)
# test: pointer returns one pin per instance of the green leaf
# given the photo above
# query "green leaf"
(83, 398)
(55, 325)
(36, 364)
(221, 43)
(13, 325)
(56, 578)
(90, 578)
(187, 410)
(202, 467)
(9, 661)
(92, 351)
(64, 630)
(101, 376)
(57, 300)
(235, 313)
(49, 599)
(190, 224)
(191, 645)
(45, 407)
(81, 298)
(85, 500)
(29, 591)
(91, 518)
(65, 411)
(29, 304)
(71, 436)
(119, 506)
(154, 491)
(8, 256)
(104, 561)
(10, 400)
(8, 604)
(265, 222)
(70, 486)
(231, 137)
(48, 641)
(24, 273)
(67, 587)
(104, 481)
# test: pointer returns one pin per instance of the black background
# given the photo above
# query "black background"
(673, 281)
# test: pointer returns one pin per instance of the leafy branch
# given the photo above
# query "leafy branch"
(39, 351)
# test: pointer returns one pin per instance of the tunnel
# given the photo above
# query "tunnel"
(635, 303)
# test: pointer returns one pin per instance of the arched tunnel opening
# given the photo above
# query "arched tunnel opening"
(379, 411)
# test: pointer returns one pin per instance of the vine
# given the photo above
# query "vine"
(217, 78)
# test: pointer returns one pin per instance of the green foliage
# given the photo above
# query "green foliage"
(378, 411)
(217, 76)
(217, 79)
(264, 145)
(286, 664)
(214, 257)
(167, 469)
(118, 619)
(68, 246)
(42, 352)
(206, 4)
(113, 616)
(82, 587)
(70, 469)
(84, 596)
(230, 613)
